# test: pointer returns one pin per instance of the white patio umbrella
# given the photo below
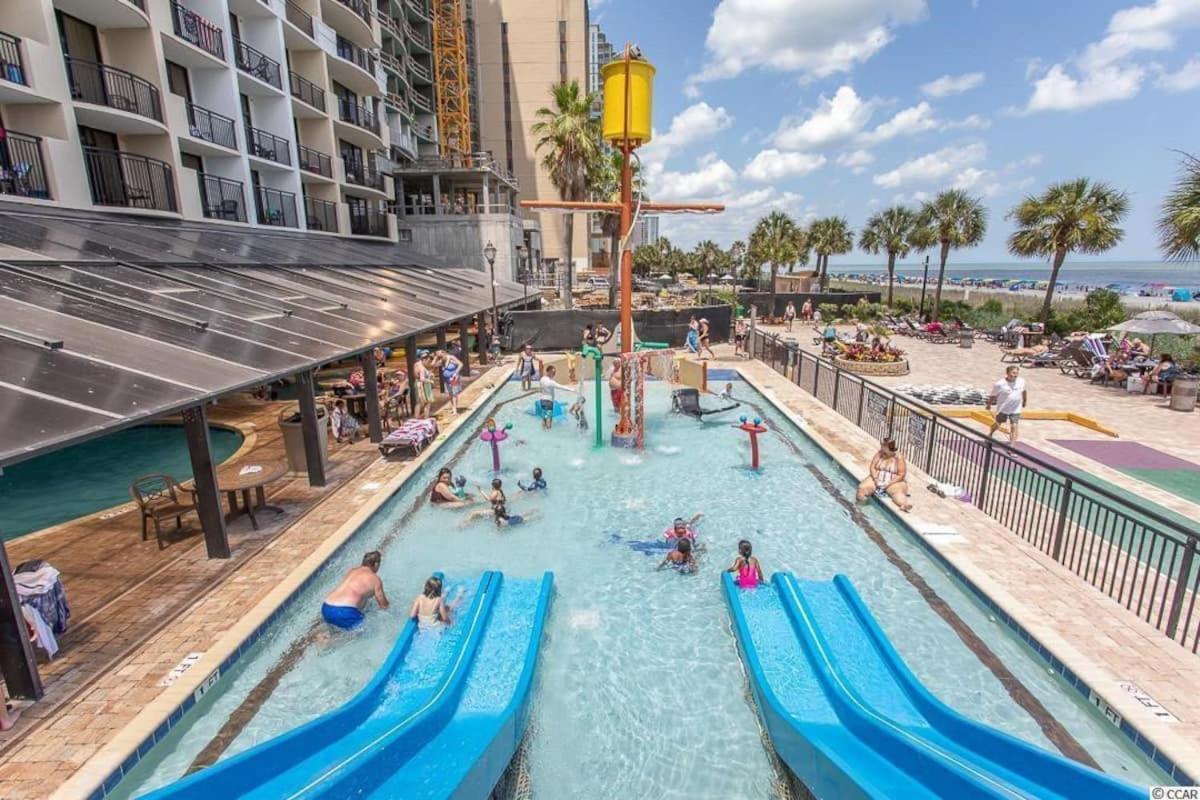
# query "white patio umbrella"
(1157, 323)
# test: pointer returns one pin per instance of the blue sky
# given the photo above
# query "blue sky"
(821, 107)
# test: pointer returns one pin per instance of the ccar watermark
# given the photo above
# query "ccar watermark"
(1175, 793)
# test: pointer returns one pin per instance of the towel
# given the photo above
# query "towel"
(43, 590)
(43, 637)
(39, 582)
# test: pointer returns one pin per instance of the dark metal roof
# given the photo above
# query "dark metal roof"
(146, 330)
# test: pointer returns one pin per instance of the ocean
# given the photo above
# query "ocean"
(1090, 273)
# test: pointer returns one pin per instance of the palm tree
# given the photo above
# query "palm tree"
(830, 236)
(737, 258)
(894, 231)
(708, 257)
(1073, 216)
(568, 138)
(773, 241)
(1179, 224)
(955, 219)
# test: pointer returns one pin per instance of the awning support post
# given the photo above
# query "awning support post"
(464, 336)
(410, 365)
(441, 345)
(481, 337)
(310, 427)
(204, 476)
(371, 388)
(17, 662)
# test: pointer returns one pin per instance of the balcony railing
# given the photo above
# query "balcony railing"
(306, 90)
(211, 126)
(420, 70)
(140, 4)
(419, 8)
(222, 198)
(359, 7)
(391, 62)
(275, 207)
(300, 18)
(360, 175)
(256, 63)
(368, 221)
(112, 87)
(352, 112)
(316, 162)
(388, 24)
(12, 66)
(417, 36)
(24, 174)
(422, 103)
(398, 102)
(267, 145)
(194, 28)
(320, 215)
(355, 55)
(126, 179)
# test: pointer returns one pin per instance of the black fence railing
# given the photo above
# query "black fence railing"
(1143, 560)
(352, 112)
(320, 215)
(275, 207)
(139, 3)
(355, 55)
(112, 87)
(315, 161)
(361, 175)
(304, 89)
(211, 126)
(359, 7)
(12, 65)
(130, 180)
(22, 169)
(300, 18)
(419, 7)
(255, 62)
(192, 27)
(368, 222)
(222, 198)
(265, 144)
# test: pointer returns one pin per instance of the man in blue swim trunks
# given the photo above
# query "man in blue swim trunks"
(343, 607)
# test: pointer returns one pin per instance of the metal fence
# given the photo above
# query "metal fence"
(211, 126)
(22, 170)
(222, 198)
(112, 87)
(127, 179)
(1141, 559)
(320, 215)
(304, 89)
(275, 207)
(265, 144)
(12, 65)
(196, 29)
(257, 63)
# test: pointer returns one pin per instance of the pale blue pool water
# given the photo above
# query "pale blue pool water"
(641, 692)
(95, 475)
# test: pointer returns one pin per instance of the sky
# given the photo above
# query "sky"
(824, 107)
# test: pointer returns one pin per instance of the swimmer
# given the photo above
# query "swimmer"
(343, 607)
(504, 519)
(496, 498)
(577, 411)
(616, 389)
(430, 609)
(683, 529)
(460, 487)
(681, 557)
(444, 493)
(727, 392)
(746, 567)
(538, 484)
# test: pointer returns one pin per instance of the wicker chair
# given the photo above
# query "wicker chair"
(161, 497)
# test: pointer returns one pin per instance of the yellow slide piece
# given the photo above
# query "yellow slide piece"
(986, 417)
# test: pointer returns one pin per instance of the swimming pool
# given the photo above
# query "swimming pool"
(641, 691)
(88, 477)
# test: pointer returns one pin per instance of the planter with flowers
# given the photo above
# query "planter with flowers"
(863, 359)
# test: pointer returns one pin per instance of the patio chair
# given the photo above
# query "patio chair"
(1081, 364)
(161, 497)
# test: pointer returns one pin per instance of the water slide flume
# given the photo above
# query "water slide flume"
(851, 720)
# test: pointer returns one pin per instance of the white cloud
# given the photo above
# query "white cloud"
(952, 84)
(772, 165)
(1059, 91)
(833, 120)
(933, 167)
(695, 123)
(1184, 79)
(907, 122)
(814, 38)
(856, 161)
(971, 121)
(712, 176)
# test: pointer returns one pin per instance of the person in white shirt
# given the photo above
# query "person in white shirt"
(1010, 398)
(547, 386)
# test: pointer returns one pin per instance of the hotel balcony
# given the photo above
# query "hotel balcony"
(311, 96)
(25, 173)
(314, 163)
(209, 133)
(351, 18)
(106, 13)
(275, 207)
(354, 68)
(130, 180)
(368, 222)
(299, 33)
(358, 125)
(267, 146)
(200, 34)
(222, 198)
(320, 215)
(257, 65)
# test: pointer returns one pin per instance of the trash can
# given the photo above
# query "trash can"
(966, 339)
(1183, 393)
(293, 438)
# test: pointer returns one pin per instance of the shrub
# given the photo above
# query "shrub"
(1101, 309)
(863, 352)
(903, 305)
(846, 311)
(828, 311)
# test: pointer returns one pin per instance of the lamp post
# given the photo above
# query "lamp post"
(489, 252)
(924, 283)
(521, 250)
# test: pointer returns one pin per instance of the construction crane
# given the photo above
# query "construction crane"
(451, 79)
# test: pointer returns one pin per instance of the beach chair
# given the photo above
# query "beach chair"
(159, 498)
(412, 435)
(1081, 363)
(687, 402)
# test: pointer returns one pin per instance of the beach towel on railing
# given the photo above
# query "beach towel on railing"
(414, 433)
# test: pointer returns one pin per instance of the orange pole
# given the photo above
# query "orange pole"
(624, 423)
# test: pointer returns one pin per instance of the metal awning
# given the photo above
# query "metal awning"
(106, 322)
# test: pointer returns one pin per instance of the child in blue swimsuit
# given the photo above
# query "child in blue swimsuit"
(538, 484)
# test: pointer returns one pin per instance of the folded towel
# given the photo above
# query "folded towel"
(39, 582)
(43, 637)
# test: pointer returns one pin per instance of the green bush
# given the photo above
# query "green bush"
(828, 311)
(1101, 309)
(903, 305)
(846, 311)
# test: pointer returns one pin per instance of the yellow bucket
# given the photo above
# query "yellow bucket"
(641, 94)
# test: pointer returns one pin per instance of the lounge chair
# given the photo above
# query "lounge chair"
(1081, 364)
(161, 497)
(412, 435)
(687, 401)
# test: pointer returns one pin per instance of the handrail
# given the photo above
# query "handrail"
(211, 126)
(257, 63)
(315, 161)
(275, 207)
(103, 85)
(194, 28)
(320, 215)
(25, 174)
(127, 179)
(306, 91)
(358, 115)
(222, 198)
(359, 7)
(265, 144)
(299, 17)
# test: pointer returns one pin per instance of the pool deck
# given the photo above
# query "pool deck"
(138, 611)
(1091, 635)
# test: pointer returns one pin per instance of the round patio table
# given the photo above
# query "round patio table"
(242, 477)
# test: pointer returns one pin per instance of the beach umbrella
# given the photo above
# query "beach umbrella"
(1157, 323)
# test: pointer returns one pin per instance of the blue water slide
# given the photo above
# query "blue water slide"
(302, 759)
(849, 718)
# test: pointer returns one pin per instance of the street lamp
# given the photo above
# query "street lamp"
(489, 252)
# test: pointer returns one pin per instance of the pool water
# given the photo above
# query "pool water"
(641, 692)
(95, 475)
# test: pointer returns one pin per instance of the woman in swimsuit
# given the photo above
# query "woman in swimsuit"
(424, 378)
(451, 367)
(429, 609)
(888, 477)
(442, 493)
(704, 342)
(681, 557)
(746, 567)
(693, 336)
(530, 366)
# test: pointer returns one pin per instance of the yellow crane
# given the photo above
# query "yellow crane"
(451, 79)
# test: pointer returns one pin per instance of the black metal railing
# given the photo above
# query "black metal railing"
(300, 18)
(265, 144)
(194, 28)
(112, 87)
(316, 162)
(352, 112)
(362, 175)
(23, 171)
(127, 179)
(255, 62)
(1143, 560)
(320, 215)
(222, 198)
(368, 221)
(275, 207)
(12, 65)
(421, 102)
(359, 7)
(304, 89)
(211, 126)
(355, 55)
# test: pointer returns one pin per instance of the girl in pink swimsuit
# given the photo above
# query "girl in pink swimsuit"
(746, 567)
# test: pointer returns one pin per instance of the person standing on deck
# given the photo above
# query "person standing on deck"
(343, 607)
(789, 315)
(529, 367)
(1010, 398)
(424, 383)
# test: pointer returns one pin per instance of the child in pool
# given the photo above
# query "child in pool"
(460, 487)
(538, 484)
(578, 412)
(683, 528)
(746, 567)
(681, 557)
(504, 519)
(430, 609)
